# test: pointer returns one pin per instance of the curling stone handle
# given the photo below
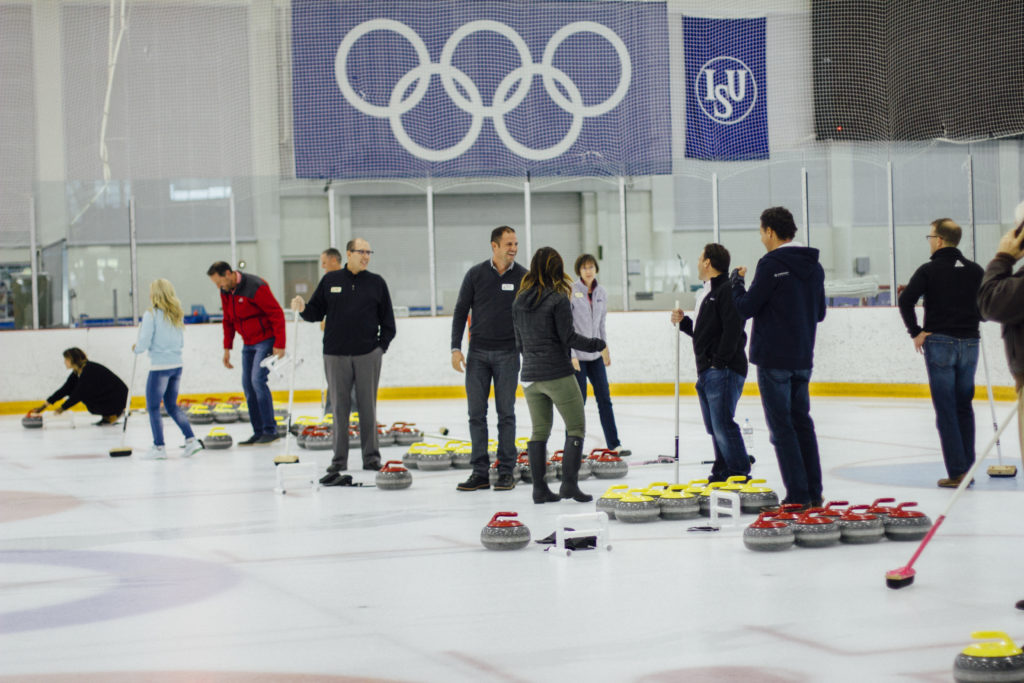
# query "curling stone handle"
(393, 462)
(906, 505)
(498, 515)
(854, 508)
(883, 500)
(837, 502)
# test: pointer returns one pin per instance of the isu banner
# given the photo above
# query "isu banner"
(726, 89)
(480, 87)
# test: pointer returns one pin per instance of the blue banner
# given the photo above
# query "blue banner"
(421, 88)
(726, 89)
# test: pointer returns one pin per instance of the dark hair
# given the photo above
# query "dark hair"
(718, 256)
(547, 271)
(780, 220)
(333, 253)
(584, 259)
(948, 231)
(498, 232)
(76, 356)
(220, 268)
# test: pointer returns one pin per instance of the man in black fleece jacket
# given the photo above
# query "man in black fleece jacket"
(487, 291)
(719, 348)
(360, 327)
(787, 301)
(949, 341)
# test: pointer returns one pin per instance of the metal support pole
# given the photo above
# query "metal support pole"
(431, 255)
(133, 251)
(716, 230)
(231, 230)
(805, 203)
(528, 218)
(34, 258)
(892, 234)
(625, 252)
(970, 211)
(332, 228)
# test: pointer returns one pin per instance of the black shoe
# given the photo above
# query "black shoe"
(1020, 604)
(536, 451)
(328, 477)
(817, 502)
(372, 467)
(338, 480)
(474, 483)
(505, 483)
(255, 438)
(267, 438)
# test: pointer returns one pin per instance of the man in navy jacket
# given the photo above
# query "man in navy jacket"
(786, 301)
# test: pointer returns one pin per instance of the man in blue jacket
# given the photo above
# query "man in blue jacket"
(786, 301)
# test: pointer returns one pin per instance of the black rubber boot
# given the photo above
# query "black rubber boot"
(537, 453)
(572, 455)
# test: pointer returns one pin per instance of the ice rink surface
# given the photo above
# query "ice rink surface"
(196, 570)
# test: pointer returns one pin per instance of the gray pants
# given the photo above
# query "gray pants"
(362, 372)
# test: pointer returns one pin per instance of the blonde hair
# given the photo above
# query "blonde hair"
(163, 298)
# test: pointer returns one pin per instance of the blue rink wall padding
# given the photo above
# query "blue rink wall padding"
(920, 475)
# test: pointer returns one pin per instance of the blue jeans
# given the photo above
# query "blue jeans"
(787, 410)
(594, 370)
(951, 363)
(163, 385)
(257, 391)
(718, 391)
(501, 367)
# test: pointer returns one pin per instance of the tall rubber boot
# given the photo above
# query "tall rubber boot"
(536, 451)
(572, 455)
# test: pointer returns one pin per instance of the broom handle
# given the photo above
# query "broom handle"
(291, 380)
(991, 400)
(128, 404)
(675, 339)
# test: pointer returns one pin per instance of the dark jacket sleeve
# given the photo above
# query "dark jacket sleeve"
(386, 317)
(914, 290)
(65, 390)
(1001, 296)
(567, 333)
(686, 325)
(750, 301)
(461, 312)
(732, 330)
(316, 307)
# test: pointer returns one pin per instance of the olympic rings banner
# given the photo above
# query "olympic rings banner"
(726, 89)
(422, 88)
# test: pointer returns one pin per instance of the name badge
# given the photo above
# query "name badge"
(578, 295)
(335, 290)
(507, 287)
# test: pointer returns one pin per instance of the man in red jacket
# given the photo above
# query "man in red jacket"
(251, 309)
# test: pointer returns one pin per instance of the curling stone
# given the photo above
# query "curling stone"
(412, 455)
(278, 412)
(319, 439)
(696, 486)
(675, 503)
(384, 437)
(906, 525)
(556, 459)
(200, 415)
(462, 456)
(635, 508)
(353, 419)
(217, 439)
(585, 470)
(354, 440)
(767, 534)
(31, 421)
(734, 484)
(300, 438)
(393, 476)
(879, 510)
(551, 471)
(654, 490)
(607, 466)
(524, 469)
(282, 426)
(832, 510)
(224, 413)
(789, 512)
(406, 433)
(997, 659)
(607, 502)
(857, 526)
(704, 498)
(303, 421)
(434, 459)
(753, 498)
(521, 442)
(814, 531)
(492, 472)
(502, 533)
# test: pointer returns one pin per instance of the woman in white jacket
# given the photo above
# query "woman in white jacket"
(162, 334)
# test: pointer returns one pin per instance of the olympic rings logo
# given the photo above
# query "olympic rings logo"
(511, 91)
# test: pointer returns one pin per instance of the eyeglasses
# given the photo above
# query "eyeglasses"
(928, 237)
(364, 252)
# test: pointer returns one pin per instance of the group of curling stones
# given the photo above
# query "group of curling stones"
(661, 500)
(600, 463)
(782, 527)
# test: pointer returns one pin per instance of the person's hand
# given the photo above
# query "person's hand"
(298, 304)
(59, 410)
(606, 356)
(39, 408)
(919, 341)
(742, 271)
(1012, 244)
(227, 359)
(677, 316)
(576, 364)
(458, 361)
(278, 352)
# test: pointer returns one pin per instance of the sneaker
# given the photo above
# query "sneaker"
(255, 438)
(505, 483)
(474, 483)
(267, 438)
(953, 482)
(155, 453)
(192, 446)
(622, 452)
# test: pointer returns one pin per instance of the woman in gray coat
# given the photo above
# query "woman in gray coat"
(544, 336)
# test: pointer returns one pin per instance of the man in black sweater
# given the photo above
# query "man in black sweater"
(949, 341)
(719, 348)
(360, 326)
(487, 292)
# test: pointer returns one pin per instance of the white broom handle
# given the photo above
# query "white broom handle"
(991, 400)
(675, 339)
(981, 457)
(291, 381)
